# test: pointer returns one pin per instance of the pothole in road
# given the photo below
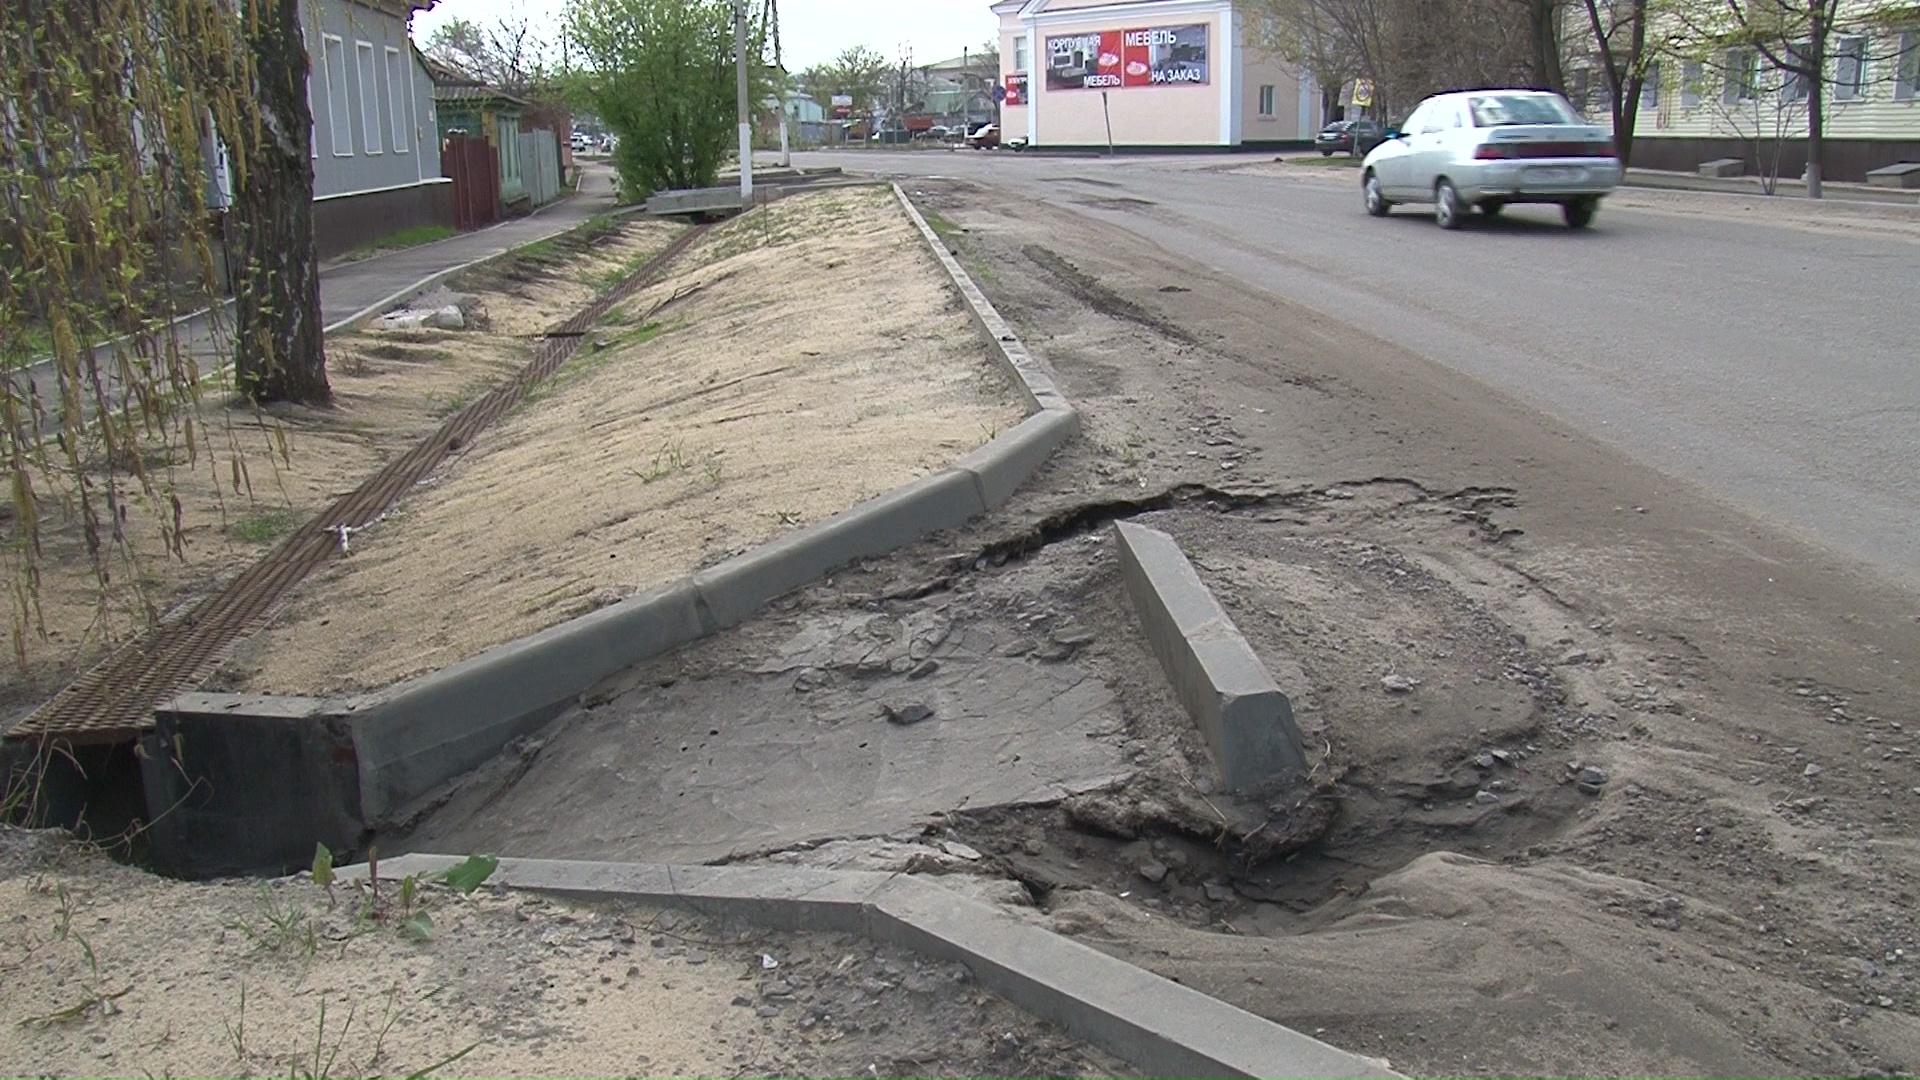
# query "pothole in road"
(1436, 726)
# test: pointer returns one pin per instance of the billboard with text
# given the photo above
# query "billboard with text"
(1124, 59)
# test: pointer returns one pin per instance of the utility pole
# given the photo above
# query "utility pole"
(746, 117)
(773, 24)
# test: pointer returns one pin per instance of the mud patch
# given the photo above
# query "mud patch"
(1103, 299)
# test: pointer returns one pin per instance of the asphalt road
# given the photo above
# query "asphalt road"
(1765, 350)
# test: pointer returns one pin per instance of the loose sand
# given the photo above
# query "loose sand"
(106, 971)
(805, 357)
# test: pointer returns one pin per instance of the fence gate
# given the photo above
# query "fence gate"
(540, 165)
(474, 167)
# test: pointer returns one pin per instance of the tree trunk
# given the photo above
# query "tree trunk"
(1543, 19)
(279, 354)
(1817, 28)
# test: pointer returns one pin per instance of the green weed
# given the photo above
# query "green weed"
(265, 526)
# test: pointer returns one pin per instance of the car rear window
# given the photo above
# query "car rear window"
(1501, 110)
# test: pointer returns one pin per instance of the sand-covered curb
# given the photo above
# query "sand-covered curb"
(799, 360)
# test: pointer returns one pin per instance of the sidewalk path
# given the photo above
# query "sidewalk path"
(349, 288)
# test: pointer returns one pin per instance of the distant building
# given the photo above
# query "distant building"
(376, 151)
(1166, 74)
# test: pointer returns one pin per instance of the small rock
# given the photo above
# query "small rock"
(1017, 647)
(908, 715)
(924, 669)
(696, 957)
(767, 1012)
(1576, 656)
(1073, 635)
(960, 850)
(1217, 892)
(1033, 847)
(1485, 761)
(1591, 776)
(1053, 653)
(1152, 869)
(742, 1001)
(1504, 757)
(1811, 770)
(777, 988)
(767, 962)
(1398, 684)
(448, 318)
(809, 680)
(1485, 797)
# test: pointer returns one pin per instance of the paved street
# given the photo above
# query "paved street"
(1774, 364)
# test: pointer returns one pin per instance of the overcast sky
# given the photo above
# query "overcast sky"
(811, 31)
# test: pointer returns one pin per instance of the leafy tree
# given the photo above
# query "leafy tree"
(660, 73)
(116, 112)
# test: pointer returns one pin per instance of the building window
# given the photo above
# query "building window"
(1795, 85)
(339, 129)
(1692, 74)
(1850, 69)
(1906, 83)
(1650, 88)
(369, 81)
(1266, 101)
(1743, 69)
(397, 98)
(1020, 53)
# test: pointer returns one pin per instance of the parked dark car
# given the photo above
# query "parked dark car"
(1353, 136)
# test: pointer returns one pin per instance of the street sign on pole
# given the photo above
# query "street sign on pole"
(1363, 92)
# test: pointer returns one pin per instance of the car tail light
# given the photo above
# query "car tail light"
(1493, 151)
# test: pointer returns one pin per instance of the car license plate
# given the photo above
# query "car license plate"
(1557, 176)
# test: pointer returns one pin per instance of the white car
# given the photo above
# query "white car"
(1488, 149)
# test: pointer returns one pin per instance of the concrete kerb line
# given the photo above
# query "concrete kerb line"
(1157, 1025)
(411, 739)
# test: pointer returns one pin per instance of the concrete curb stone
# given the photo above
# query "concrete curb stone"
(1159, 1026)
(1246, 720)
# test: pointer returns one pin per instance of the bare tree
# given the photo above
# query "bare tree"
(1620, 46)
(508, 53)
(1793, 38)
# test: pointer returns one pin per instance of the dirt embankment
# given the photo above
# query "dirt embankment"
(252, 477)
(798, 360)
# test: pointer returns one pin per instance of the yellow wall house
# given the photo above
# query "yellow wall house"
(1715, 98)
(1160, 74)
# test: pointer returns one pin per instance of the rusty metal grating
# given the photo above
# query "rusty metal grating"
(114, 702)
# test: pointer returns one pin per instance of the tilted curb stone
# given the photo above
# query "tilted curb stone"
(1246, 720)
(235, 766)
(1159, 1026)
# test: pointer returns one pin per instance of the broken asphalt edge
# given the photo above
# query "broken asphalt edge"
(1157, 1025)
(268, 775)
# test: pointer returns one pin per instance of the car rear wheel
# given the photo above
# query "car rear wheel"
(1377, 203)
(1579, 212)
(1446, 205)
(1326, 153)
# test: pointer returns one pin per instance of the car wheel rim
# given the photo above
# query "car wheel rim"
(1373, 193)
(1444, 205)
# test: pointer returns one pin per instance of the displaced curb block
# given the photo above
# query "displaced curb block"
(392, 749)
(1159, 1026)
(1239, 709)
